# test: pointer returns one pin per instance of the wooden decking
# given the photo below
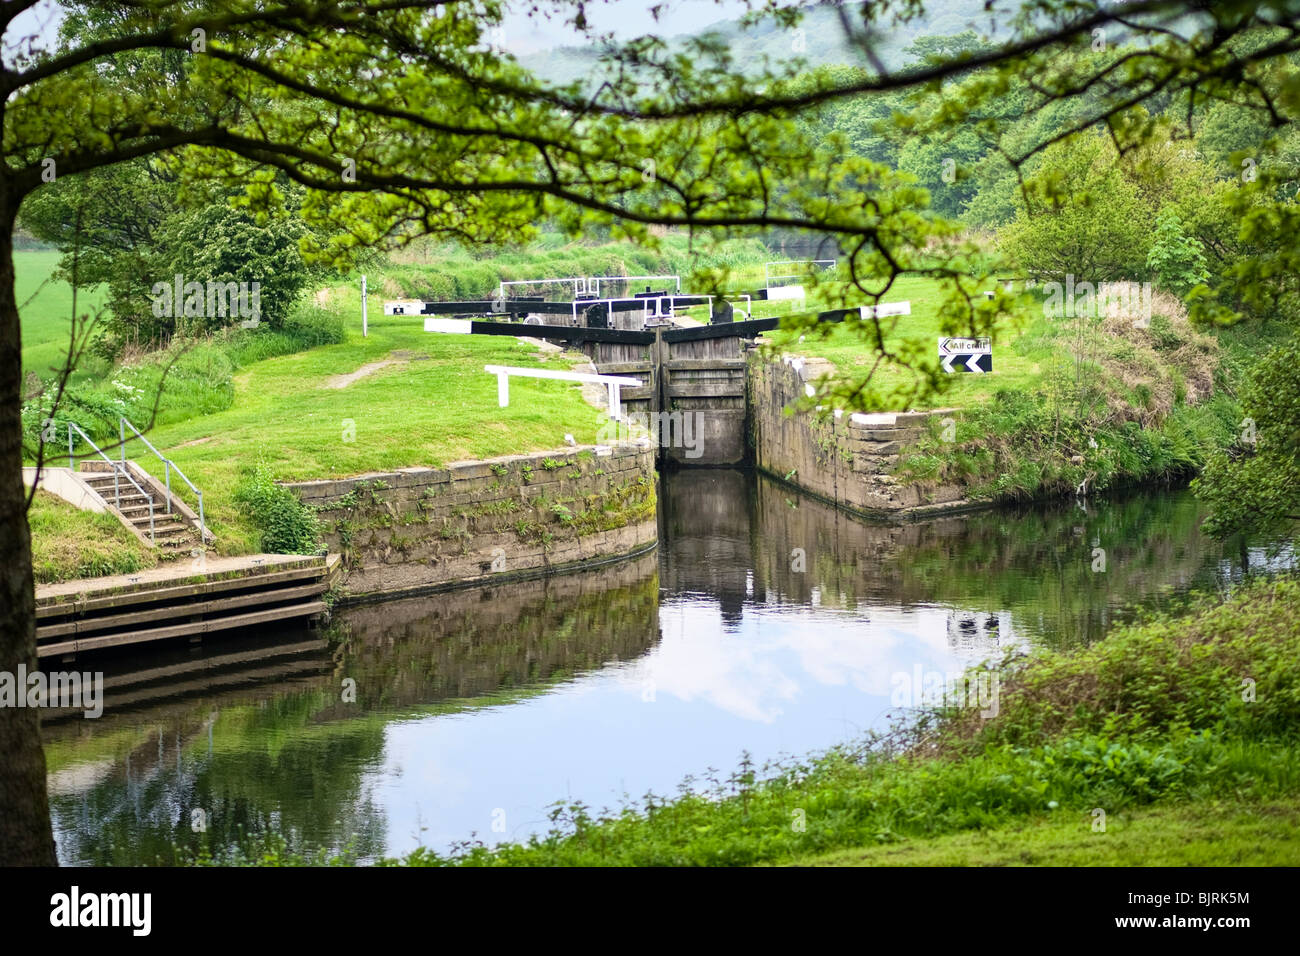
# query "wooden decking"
(180, 601)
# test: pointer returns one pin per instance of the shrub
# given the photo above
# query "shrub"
(286, 525)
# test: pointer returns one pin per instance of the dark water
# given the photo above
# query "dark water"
(767, 622)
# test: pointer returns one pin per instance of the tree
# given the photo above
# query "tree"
(399, 118)
(1082, 218)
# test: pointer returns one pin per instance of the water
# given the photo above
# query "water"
(767, 623)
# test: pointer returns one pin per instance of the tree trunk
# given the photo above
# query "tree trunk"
(25, 834)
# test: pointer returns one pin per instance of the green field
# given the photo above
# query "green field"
(45, 306)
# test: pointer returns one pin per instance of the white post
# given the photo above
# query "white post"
(613, 399)
(365, 332)
(503, 389)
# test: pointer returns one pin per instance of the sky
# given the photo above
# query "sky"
(624, 18)
(523, 34)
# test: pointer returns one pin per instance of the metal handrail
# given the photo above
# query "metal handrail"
(168, 465)
(118, 470)
(657, 301)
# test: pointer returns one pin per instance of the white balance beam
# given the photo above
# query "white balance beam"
(613, 382)
(884, 309)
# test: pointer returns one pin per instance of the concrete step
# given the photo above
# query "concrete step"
(160, 527)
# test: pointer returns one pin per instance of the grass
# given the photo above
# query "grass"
(69, 543)
(45, 305)
(1018, 360)
(1201, 833)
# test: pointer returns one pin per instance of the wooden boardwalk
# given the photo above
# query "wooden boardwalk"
(180, 600)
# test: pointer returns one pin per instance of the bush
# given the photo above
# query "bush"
(286, 525)
(1175, 257)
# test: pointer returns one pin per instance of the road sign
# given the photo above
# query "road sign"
(966, 355)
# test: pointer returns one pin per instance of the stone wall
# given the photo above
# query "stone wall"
(848, 459)
(477, 522)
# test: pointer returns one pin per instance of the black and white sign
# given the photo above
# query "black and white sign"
(966, 355)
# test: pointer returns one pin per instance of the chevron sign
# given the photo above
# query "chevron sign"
(966, 355)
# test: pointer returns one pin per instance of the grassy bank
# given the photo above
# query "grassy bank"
(1019, 358)
(1146, 406)
(69, 543)
(1073, 403)
(1155, 724)
(1200, 833)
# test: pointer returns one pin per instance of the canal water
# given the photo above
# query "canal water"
(767, 624)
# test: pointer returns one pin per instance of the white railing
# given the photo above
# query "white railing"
(119, 472)
(653, 306)
(583, 285)
(615, 383)
(168, 465)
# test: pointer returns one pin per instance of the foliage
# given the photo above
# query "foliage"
(1084, 218)
(1176, 258)
(1254, 482)
(287, 525)
(219, 244)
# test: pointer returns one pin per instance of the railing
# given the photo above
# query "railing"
(584, 285)
(119, 472)
(613, 382)
(653, 306)
(168, 466)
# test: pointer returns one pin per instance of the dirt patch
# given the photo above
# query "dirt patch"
(343, 381)
(195, 441)
(542, 346)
